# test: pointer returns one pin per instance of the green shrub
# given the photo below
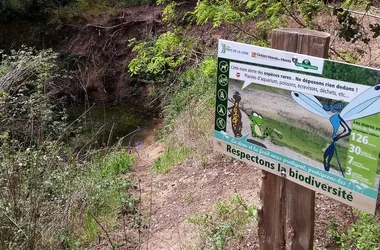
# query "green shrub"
(49, 198)
(161, 55)
(29, 9)
(364, 234)
(195, 92)
(57, 10)
(106, 191)
(224, 223)
(27, 81)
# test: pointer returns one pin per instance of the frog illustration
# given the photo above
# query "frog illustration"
(260, 132)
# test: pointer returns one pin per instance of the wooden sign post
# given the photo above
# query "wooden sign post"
(286, 216)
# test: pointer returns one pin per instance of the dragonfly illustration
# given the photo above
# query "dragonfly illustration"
(365, 104)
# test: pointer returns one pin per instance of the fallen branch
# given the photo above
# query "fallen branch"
(112, 27)
(356, 12)
(109, 239)
(338, 54)
(249, 34)
(292, 15)
(14, 223)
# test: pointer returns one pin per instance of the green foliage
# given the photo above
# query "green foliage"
(27, 81)
(79, 9)
(160, 56)
(196, 89)
(173, 155)
(355, 4)
(66, 10)
(271, 14)
(48, 197)
(168, 14)
(226, 222)
(347, 57)
(106, 191)
(158, 2)
(364, 234)
(220, 12)
(268, 14)
(90, 9)
(309, 9)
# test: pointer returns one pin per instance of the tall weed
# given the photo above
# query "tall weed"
(225, 223)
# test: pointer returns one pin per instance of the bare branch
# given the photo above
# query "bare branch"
(112, 27)
(249, 34)
(109, 239)
(357, 12)
(292, 15)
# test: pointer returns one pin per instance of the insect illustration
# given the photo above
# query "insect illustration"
(334, 108)
(365, 104)
(258, 131)
(235, 114)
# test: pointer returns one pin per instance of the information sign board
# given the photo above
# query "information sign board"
(313, 121)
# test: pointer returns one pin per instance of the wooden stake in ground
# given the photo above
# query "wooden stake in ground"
(286, 216)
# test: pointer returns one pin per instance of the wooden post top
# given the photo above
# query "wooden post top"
(305, 32)
(303, 41)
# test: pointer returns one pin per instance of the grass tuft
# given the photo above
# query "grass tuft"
(173, 155)
(225, 223)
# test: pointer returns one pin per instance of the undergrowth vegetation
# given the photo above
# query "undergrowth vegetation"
(49, 196)
(172, 155)
(364, 234)
(90, 9)
(62, 10)
(224, 225)
(187, 123)
(194, 93)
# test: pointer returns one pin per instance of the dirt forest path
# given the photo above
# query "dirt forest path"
(168, 199)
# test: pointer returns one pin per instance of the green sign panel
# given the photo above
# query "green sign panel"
(313, 121)
(364, 148)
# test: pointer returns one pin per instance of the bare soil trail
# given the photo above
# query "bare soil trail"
(187, 189)
(167, 200)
